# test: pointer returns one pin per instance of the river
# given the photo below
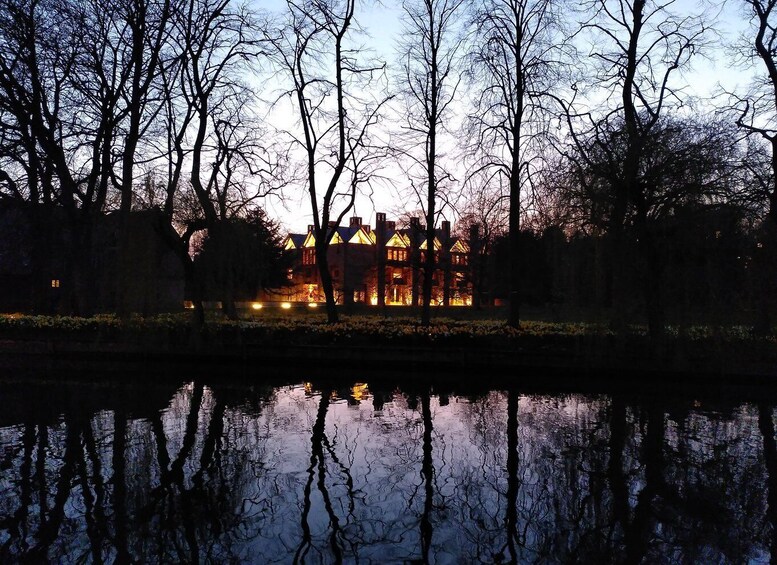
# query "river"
(353, 471)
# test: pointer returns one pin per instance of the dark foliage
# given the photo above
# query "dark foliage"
(240, 257)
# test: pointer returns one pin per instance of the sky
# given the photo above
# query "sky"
(382, 25)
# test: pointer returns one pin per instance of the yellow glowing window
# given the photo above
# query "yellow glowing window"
(54, 283)
(396, 254)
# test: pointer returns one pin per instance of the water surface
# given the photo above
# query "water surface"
(378, 473)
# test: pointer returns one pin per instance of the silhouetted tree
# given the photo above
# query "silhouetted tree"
(637, 50)
(244, 256)
(514, 65)
(210, 127)
(757, 113)
(685, 168)
(329, 88)
(430, 80)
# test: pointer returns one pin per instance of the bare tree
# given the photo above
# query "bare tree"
(126, 52)
(758, 117)
(53, 128)
(330, 89)
(210, 128)
(430, 84)
(638, 49)
(515, 62)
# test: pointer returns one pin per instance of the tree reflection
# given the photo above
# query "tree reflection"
(48, 531)
(427, 473)
(640, 530)
(229, 475)
(511, 518)
(316, 460)
(766, 426)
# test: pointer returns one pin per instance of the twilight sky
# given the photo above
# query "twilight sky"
(382, 25)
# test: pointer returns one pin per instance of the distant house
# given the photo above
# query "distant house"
(33, 257)
(38, 251)
(382, 266)
(156, 276)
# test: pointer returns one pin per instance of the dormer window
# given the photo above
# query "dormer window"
(394, 254)
(458, 259)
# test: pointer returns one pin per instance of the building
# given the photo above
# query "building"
(382, 266)
(41, 256)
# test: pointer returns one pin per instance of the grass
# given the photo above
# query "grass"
(311, 325)
(693, 349)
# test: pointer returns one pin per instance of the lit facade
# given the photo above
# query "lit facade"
(382, 266)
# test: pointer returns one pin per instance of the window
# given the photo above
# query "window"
(394, 254)
(309, 256)
(54, 283)
(458, 259)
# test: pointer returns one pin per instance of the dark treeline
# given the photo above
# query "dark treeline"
(699, 215)
(707, 276)
(518, 115)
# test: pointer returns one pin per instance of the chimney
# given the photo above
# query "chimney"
(474, 234)
(332, 224)
(391, 226)
(446, 230)
(356, 222)
(311, 227)
(380, 251)
(415, 223)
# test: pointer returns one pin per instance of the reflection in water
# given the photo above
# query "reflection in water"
(331, 474)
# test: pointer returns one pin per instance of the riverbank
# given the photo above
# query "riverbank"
(447, 347)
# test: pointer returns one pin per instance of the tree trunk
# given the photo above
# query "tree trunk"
(514, 238)
(513, 482)
(427, 472)
(322, 261)
(766, 426)
(651, 280)
(765, 271)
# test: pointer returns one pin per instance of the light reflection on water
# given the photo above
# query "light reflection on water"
(326, 473)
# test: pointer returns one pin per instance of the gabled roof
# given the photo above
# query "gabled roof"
(294, 241)
(363, 237)
(357, 235)
(437, 244)
(337, 237)
(398, 239)
(459, 246)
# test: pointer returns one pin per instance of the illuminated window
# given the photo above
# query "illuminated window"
(309, 256)
(394, 254)
(458, 259)
(54, 283)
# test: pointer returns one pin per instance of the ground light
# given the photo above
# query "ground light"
(285, 305)
(256, 306)
(312, 305)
